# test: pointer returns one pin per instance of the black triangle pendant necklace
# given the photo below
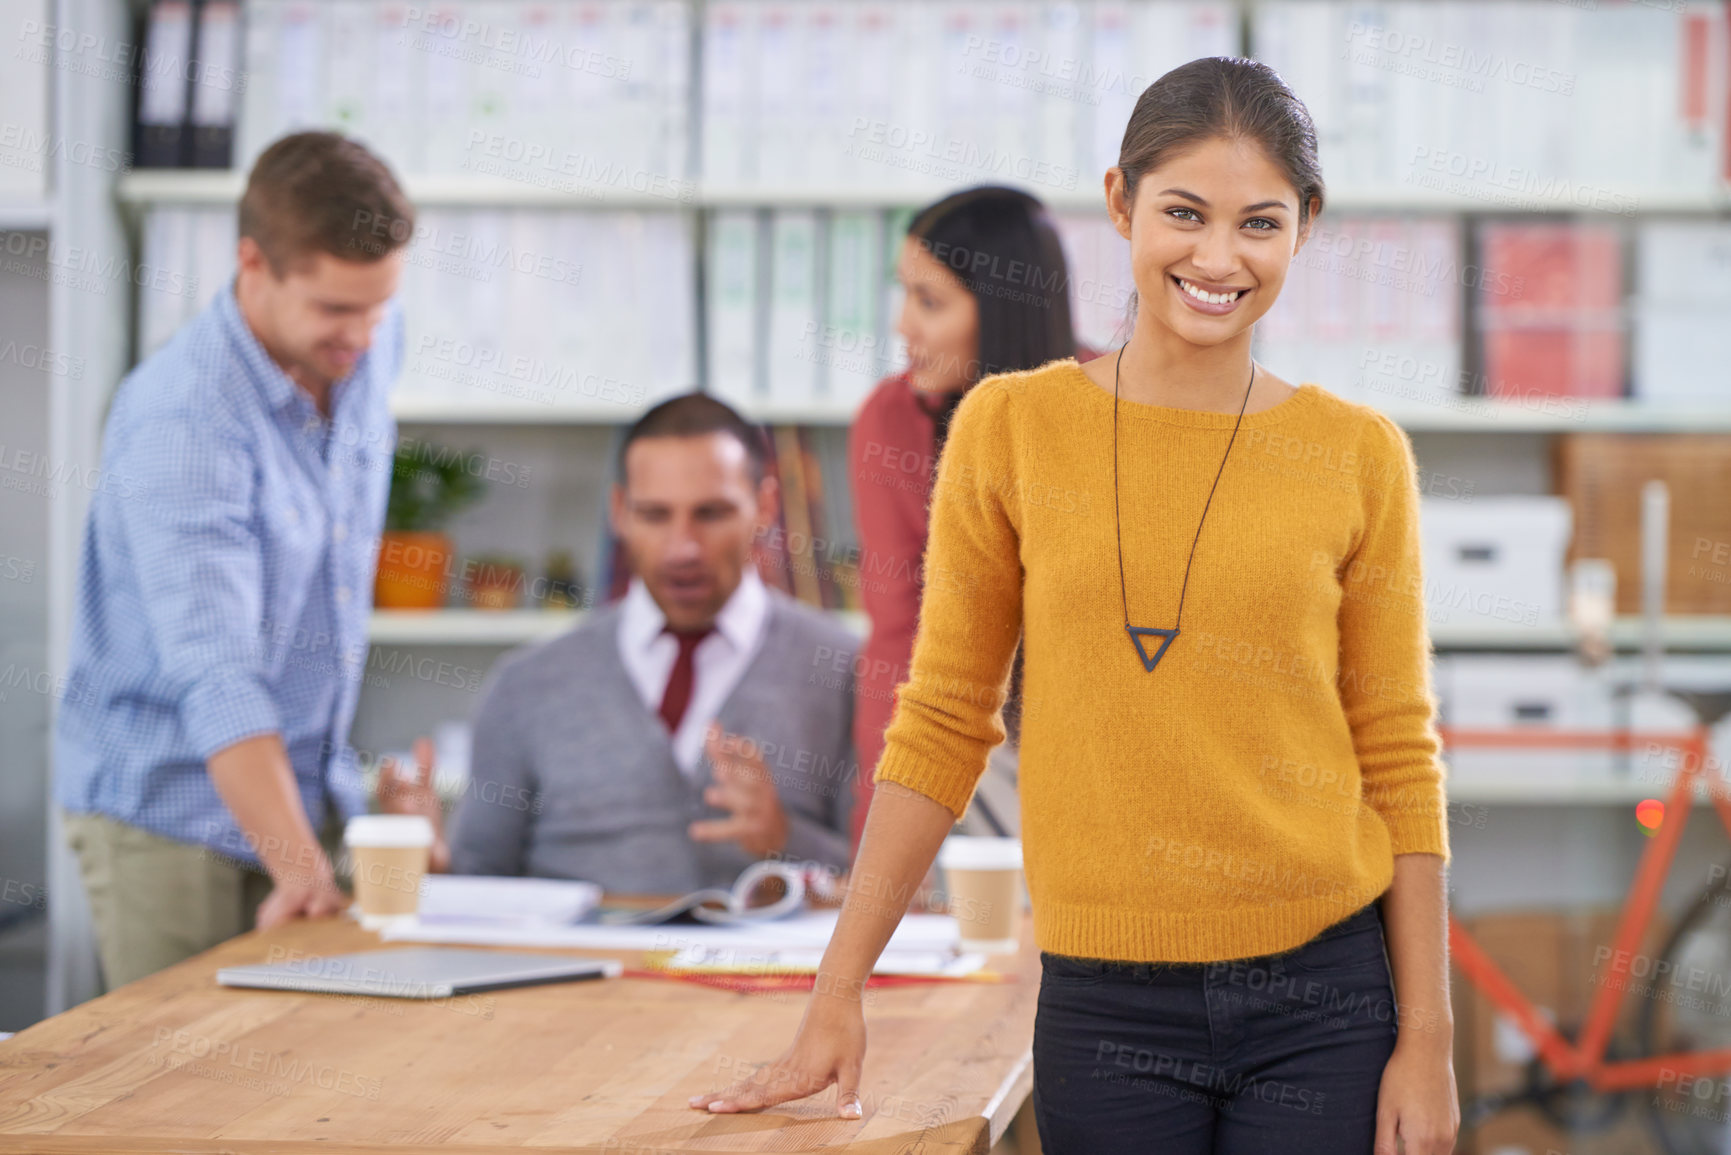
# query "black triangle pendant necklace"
(1138, 633)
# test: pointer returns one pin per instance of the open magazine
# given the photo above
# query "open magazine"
(764, 891)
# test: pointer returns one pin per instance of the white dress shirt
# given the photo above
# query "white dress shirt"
(716, 665)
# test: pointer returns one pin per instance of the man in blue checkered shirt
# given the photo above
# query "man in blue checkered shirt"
(219, 635)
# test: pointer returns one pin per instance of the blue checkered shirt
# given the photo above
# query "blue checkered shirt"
(225, 580)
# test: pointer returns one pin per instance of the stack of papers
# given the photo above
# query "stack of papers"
(481, 904)
(805, 960)
(930, 940)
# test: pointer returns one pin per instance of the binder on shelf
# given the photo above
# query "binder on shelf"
(793, 302)
(216, 84)
(733, 297)
(286, 87)
(650, 94)
(166, 244)
(1369, 310)
(829, 451)
(351, 54)
(1100, 282)
(1625, 103)
(823, 527)
(163, 85)
(448, 98)
(396, 120)
(779, 126)
(215, 235)
(848, 344)
(891, 292)
(1683, 295)
(770, 552)
(582, 98)
(669, 248)
(796, 510)
(569, 309)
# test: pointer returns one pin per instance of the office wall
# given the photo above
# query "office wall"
(25, 681)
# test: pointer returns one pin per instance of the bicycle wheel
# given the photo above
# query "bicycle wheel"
(1687, 1007)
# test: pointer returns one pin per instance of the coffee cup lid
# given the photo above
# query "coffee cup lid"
(967, 852)
(388, 830)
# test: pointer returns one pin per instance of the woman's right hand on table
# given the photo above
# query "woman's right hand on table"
(902, 834)
(829, 1048)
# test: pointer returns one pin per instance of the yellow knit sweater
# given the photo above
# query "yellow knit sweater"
(1254, 788)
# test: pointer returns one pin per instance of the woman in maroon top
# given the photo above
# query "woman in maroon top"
(987, 291)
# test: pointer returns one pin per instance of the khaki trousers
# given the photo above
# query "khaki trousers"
(157, 902)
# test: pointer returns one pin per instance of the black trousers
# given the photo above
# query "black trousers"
(1281, 1053)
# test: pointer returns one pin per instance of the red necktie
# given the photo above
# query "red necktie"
(678, 693)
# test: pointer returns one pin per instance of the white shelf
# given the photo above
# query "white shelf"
(1702, 632)
(468, 627)
(1414, 197)
(496, 627)
(1512, 791)
(194, 186)
(26, 215)
(512, 627)
(168, 186)
(1458, 415)
(438, 411)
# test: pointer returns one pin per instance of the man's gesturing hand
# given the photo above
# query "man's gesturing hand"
(404, 790)
(744, 786)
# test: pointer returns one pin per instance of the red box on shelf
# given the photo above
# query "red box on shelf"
(1525, 362)
(1559, 268)
(1560, 330)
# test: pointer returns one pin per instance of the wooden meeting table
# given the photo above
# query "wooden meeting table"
(176, 1063)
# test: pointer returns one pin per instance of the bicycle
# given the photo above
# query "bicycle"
(1582, 1085)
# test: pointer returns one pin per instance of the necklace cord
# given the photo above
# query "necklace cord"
(1117, 523)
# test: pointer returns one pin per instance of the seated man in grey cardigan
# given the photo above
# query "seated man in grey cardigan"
(695, 726)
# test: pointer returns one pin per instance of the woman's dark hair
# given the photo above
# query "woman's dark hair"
(1001, 244)
(1222, 96)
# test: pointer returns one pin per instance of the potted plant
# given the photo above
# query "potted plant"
(494, 581)
(429, 485)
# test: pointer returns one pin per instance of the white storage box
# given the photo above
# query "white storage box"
(1495, 561)
(1524, 694)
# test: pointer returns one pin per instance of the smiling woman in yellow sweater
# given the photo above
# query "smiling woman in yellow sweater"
(1229, 780)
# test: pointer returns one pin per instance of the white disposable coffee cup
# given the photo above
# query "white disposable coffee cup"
(983, 877)
(389, 855)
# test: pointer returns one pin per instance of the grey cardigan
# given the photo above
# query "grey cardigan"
(574, 777)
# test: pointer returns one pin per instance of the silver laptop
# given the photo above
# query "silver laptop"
(418, 972)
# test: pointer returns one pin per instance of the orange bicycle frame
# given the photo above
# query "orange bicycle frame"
(1585, 1060)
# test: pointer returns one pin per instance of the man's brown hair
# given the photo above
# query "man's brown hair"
(320, 192)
